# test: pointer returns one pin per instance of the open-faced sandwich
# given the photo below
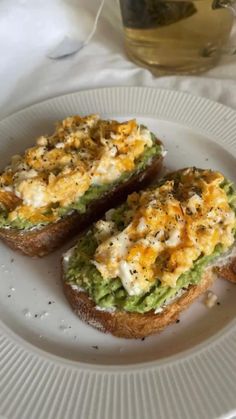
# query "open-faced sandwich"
(135, 270)
(68, 179)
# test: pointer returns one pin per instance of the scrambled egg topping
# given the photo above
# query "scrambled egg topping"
(56, 172)
(167, 229)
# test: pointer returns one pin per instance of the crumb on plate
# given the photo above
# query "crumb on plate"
(210, 299)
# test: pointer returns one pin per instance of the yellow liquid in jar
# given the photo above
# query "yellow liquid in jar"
(177, 36)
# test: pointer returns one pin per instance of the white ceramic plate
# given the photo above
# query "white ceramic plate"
(51, 364)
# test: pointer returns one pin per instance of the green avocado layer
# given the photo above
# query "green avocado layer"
(93, 193)
(111, 293)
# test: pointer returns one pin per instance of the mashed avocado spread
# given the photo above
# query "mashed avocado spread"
(93, 193)
(111, 293)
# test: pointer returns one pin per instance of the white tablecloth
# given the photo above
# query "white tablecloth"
(29, 29)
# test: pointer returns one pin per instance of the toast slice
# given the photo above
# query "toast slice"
(123, 320)
(39, 240)
(132, 325)
(228, 270)
(128, 325)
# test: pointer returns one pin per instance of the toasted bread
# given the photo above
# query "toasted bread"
(39, 240)
(136, 325)
(228, 271)
(133, 323)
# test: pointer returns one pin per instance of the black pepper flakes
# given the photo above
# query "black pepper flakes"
(188, 211)
(95, 347)
(177, 321)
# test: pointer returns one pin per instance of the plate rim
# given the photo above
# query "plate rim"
(114, 87)
(111, 368)
(115, 373)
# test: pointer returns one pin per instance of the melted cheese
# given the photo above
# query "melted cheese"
(168, 228)
(60, 168)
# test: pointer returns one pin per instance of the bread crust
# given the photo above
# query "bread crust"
(133, 325)
(39, 242)
(228, 271)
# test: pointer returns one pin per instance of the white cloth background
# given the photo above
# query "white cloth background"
(29, 29)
